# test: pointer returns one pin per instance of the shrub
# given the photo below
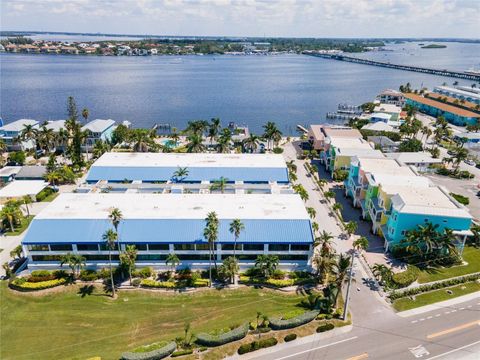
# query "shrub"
(407, 277)
(23, 285)
(340, 175)
(88, 275)
(136, 282)
(253, 272)
(60, 274)
(290, 337)
(221, 339)
(256, 345)
(157, 284)
(200, 283)
(460, 198)
(277, 150)
(280, 283)
(143, 273)
(278, 274)
(279, 324)
(182, 352)
(44, 194)
(159, 353)
(40, 275)
(325, 327)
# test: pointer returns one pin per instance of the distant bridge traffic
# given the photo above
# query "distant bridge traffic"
(444, 72)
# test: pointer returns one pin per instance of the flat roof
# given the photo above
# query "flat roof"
(381, 115)
(9, 170)
(18, 125)
(19, 188)
(389, 108)
(370, 153)
(442, 106)
(115, 166)
(379, 126)
(394, 184)
(171, 218)
(351, 143)
(413, 157)
(383, 165)
(431, 200)
(32, 171)
(460, 90)
(321, 131)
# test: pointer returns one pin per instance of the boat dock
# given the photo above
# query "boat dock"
(455, 74)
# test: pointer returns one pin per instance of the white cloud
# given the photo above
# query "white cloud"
(315, 18)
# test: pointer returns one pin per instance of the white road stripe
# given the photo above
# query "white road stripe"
(452, 351)
(429, 317)
(454, 311)
(422, 319)
(318, 347)
(447, 312)
(462, 308)
(414, 321)
(438, 315)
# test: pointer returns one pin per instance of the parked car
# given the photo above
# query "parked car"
(470, 162)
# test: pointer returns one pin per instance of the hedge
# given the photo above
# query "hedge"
(280, 283)
(157, 284)
(394, 295)
(217, 340)
(290, 337)
(325, 327)
(182, 353)
(460, 198)
(151, 355)
(42, 195)
(279, 324)
(256, 345)
(22, 284)
(407, 277)
(88, 275)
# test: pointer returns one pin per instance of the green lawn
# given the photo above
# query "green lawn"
(67, 325)
(50, 197)
(23, 226)
(435, 296)
(471, 255)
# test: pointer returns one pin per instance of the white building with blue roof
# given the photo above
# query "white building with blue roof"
(118, 167)
(159, 224)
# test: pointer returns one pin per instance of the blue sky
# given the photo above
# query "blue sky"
(293, 18)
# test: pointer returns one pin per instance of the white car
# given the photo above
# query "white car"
(470, 162)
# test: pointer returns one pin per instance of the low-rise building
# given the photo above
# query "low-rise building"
(98, 129)
(318, 133)
(11, 132)
(393, 97)
(383, 143)
(380, 127)
(472, 139)
(159, 224)
(423, 161)
(32, 172)
(8, 173)
(461, 93)
(17, 189)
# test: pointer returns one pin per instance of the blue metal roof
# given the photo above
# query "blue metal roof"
(196, 174)
(165, 231)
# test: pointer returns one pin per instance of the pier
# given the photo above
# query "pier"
(444, 72)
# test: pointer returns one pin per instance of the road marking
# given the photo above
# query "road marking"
(454, 311)
(457, 328)
(419, 351)
(452, 351)
(438, 315)
(469, 306)
(462, 309)
(318, 347)
(414, 321)
(422, 319)
(429, 317)
(447, 312)
(359, 357)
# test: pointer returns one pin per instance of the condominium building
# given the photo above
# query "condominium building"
(98, 129)
(10, 133)
(159, 224)
(462, 93)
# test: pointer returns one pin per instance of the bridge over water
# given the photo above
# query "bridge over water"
(442, 72)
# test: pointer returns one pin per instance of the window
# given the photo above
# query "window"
(139, 246)
(38, 247)
(87, 247)
(99, 257)
(403, 232)
(61, 247)
(278, 247)
(192, 257)
(299, 247)
(293, 257)
(151, 257)
(252, 247)
(154, 247)
(46, 257)
(182, 247)
(243, 257)
(202, 246)
(229, 247)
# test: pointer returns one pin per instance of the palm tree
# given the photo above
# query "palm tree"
(311, 212)
(324, 264)
(315, 226)
(340, 270)
(271, 133)
(337, 207)
(195, 144)
(74, 261)
(383, 273)
(211, 235)
(11, 213)
(214, 129)
(329, 195)
(46, 139)
(351, 227)
(197, 127)
(173, 261)
(142, 140)
(445, 244)
(236, 227)
(110, 237)
(115, 217)
(127, 258)
(16, 253)
(325, 242)
(53, 178)
(219, 184)
(180, 174)
(29, 132)
(460, 154)
(251, 143)
(85, 114)
(230, 268)
(174, 136)
(361, 244)
(27, 199)
(291, 166)
(267, 264)
(293, 177)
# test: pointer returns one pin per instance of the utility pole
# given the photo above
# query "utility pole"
(350, 275)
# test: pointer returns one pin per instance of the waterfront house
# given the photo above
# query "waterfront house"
(418, 206)
(423, 161)
(380, 117)
(159, 224)
(69, 50)
(380, 127)
(116, 167)
(10, 133)
(318, 133)
(434, 107)
(98, 129)
(460, 93)
(390, 96)
(393, 110)
(383, 143)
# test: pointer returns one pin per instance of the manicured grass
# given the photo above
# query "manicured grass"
(51, 197)
(435, 296)
(470, 254)
(23, 226)
(67, 324)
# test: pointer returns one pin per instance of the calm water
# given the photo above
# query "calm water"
(287, 89)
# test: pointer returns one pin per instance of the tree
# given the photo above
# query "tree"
(11, 213)
(300, 190)
(340, 271)
(128, 258)
(195, 143)
(459, 154)
(219, 184)
(110, 237)
(46, 139)
(251, 143)
(142, 140)
(229, 268)
(85, 114)
(115, 217)
(53, 178)
(74, 261)
(360, 244)
(337, 207)
(329, 195)
(16, 253)
(173, 261)
(17, 157)
(410, 145)
(7, 269)
(315, 226)
(311, 212)
(383, 273)
(325, 242)
(236, 227)
(210, 233)
(267, 264)
(180, 174)
(271, 133)
(351, 227)
(324, 264)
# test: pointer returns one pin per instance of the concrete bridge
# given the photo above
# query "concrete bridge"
(441, 72)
